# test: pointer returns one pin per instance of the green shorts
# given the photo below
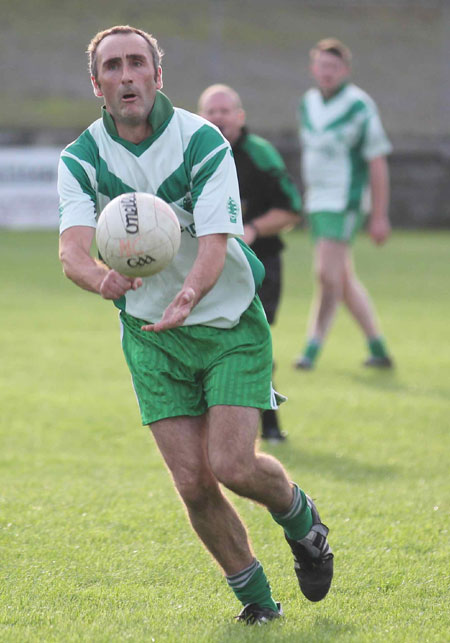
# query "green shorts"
(341, 226)
(184, 371)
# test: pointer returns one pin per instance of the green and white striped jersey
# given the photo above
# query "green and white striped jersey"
(188, 163)
(338, 137)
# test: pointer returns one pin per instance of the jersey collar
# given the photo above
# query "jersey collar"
(338, 91)
(159, 117)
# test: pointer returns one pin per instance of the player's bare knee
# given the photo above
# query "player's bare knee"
(327, 278)
(196, 492)
(233, 474)
(330, 282)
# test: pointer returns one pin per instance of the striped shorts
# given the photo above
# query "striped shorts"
(339, 226)
(185, 370)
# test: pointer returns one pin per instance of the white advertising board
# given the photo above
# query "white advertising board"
(28, 195)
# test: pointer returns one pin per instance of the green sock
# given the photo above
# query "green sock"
(312, 350)
(251, 586)
(297, 521)
(377, 347)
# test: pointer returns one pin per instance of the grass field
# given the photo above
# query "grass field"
(95, 545)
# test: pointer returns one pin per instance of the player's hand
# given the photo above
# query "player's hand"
(379, 229)
(114, 285)
(250, 234)
(175, 313)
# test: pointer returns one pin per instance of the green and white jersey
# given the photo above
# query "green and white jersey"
(188, 163)
(338, 137)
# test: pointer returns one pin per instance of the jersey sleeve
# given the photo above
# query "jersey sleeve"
(376, 142)
(278, 186)
(214, 185)
(77, 199)
(283, 191)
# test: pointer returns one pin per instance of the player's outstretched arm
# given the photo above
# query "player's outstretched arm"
(271, 222)
(201, 278)
(88, 273)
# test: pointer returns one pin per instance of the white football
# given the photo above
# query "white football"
(138, 234)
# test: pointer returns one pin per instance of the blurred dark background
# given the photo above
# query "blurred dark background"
(401, 51)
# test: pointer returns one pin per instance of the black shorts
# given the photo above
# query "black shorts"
(270, 290)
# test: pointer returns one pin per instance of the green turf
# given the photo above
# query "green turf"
(94, 543)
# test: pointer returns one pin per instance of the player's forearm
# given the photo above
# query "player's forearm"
(86, 273)
(78, 265)
(379, 187)
(208, 265)
(274, 221)
(201, 278)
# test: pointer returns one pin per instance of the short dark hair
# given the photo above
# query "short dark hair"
(332, 46)
(156, 51)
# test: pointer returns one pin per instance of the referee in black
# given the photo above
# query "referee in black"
(270, 202)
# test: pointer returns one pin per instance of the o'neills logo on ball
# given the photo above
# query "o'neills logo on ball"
(129, 209)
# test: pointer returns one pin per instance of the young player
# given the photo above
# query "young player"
(344, 149)
(194, 336)
(270, 202)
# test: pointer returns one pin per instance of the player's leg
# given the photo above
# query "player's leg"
(329, 264)
(166, 369)
(269, 294)
(234, 461)
(182, 442)
(232, 432)
(358, 302)
(329, 269)
(237, 385)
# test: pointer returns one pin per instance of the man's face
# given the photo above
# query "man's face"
(126, 78)
(329, 72)
(221, 110)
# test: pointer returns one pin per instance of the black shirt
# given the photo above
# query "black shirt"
(264, 183)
